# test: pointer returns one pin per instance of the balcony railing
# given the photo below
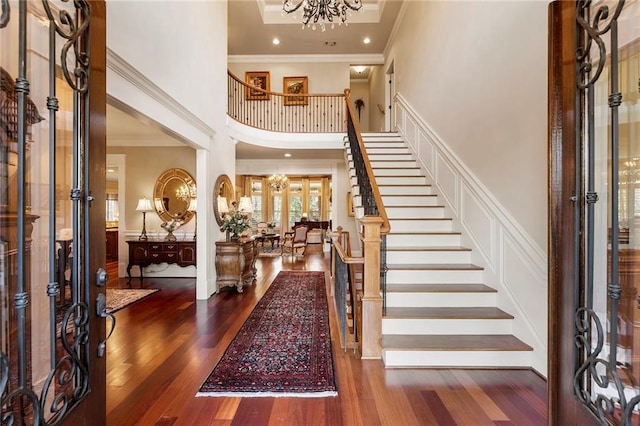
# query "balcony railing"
(281, 112)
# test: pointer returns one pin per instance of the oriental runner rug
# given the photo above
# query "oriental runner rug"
(283, 348)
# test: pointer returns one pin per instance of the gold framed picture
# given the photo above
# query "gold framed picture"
(350, 211)
(295, 86)
(261, 80)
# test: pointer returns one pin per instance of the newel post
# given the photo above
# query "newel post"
(371, 301)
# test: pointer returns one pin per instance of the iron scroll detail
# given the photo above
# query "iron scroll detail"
(4, 15)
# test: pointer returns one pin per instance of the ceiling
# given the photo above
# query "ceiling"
(252, 25)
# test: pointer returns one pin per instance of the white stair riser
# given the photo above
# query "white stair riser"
(429, 240)
(394, 212)
(424, 225)
(433, 300)
(396, 172)
(398, 156)
(402, 158)
(404, 180)
(375, 151)
(428, 256)
(421, 200)
(393, 164)
(404, 190)
(499, 359)
(401, 276)
(446, 326)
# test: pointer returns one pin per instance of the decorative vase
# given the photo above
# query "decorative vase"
(235, 238)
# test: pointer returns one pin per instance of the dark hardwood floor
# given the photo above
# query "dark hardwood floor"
(165, 346)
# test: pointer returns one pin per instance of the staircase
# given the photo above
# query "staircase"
(440, 312)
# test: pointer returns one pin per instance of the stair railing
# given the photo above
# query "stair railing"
(284, 112)
(346, 292)
(375, 227)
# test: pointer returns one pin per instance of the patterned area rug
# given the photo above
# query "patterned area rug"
(283, 348)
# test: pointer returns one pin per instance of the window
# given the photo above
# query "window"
(295, 202)
(256, 201)
(315, 200)
(112, 208)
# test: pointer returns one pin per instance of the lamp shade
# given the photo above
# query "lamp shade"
(223, 206)
(245, 205)
(193, 205)
(144, 205)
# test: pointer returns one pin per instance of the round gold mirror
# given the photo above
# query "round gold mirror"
(222, 197)
(172, 195)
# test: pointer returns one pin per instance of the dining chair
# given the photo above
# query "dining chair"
(295, 240)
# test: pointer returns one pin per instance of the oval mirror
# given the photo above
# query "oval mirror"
(172, 194)
(222, 197)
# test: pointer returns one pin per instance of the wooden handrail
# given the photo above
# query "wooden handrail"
(284, 112)
(386, 226)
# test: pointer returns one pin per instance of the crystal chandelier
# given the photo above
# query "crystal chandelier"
(278, 182)
(322, 12)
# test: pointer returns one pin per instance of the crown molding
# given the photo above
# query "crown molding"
(368, 58)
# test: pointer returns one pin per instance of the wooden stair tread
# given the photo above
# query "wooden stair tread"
(440, 288)
(429, 248)
(436, 266)
(447, 313)
(464, 342)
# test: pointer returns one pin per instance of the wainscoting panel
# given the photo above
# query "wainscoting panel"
(514, 264)
(480, 224)
(426, 152)
(525, 285)
(447, 182)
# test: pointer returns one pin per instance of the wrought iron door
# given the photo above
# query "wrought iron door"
(595, 214)
(52, 211)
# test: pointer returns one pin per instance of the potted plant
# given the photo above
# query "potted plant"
(235, 223)
(359, 103)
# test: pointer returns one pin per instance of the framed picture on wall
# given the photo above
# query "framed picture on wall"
(295, 86)
(350, 211)
(261, 80)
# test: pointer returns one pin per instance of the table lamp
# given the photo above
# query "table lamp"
(144, 206)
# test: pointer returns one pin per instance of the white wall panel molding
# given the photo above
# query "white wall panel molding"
(446, 179)
(126, 86)
(514, 263)
(479, 223)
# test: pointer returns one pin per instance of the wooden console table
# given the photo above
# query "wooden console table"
(235, 263)
(144, 253)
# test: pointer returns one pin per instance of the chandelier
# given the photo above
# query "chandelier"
(184, 193)
(278, 182)
(322, 12)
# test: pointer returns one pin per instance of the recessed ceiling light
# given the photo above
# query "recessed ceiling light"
(360, 69)
(110, 170)
(366, 40)
(287, 155)
(276, 41)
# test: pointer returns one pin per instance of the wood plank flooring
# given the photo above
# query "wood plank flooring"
(165, 346)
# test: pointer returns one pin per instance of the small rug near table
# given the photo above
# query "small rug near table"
(268, 251)
(283, 348)
(117, 298)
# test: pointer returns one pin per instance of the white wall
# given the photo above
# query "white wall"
(324, 77)
(477, 73)
(377, 83)
(360, 90)
(472, 105)
(160, 65)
